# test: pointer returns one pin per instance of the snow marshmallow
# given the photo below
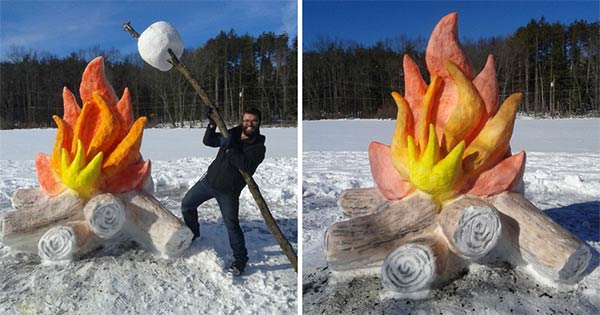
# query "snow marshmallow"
(154, 43)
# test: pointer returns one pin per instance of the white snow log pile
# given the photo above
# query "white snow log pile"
(63, 227)
(420, 245)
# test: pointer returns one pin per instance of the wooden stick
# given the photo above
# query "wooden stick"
(252, 186)
(21, 230)
(365, 241)
(361, 201)
(471, 226)
(551, 250)
(106, 215)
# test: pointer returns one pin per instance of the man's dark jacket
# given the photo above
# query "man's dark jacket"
(223, 174)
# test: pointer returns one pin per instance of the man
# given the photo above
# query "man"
(243, 149)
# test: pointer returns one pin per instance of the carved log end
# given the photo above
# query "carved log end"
(478, 232)
(60, 244)
(410, 268)
(471, 226)
(106, 215)
(575, 265)
(420, 265)
(179, 242)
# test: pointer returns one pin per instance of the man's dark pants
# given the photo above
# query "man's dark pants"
(228, 203)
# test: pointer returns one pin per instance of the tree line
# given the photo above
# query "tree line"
(236, 71)
(555, 66)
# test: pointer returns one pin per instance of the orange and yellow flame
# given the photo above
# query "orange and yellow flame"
(97, 146)
(450, 135)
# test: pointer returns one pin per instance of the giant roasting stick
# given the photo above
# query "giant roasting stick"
(158, 63)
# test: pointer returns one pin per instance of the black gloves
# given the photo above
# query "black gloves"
(207, 112)
(224, 141)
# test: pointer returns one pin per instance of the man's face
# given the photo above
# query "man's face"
(250, 124)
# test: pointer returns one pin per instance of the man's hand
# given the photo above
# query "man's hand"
(224, 141)
(207, 112)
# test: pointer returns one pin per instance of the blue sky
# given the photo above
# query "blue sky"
(61, 27)
(366, 22)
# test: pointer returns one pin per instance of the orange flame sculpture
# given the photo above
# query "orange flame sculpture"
(450, 136)
(97, 146)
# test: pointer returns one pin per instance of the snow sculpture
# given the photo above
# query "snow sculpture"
(447, 188)
(93, 185)
(155, 42)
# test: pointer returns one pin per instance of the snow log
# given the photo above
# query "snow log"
(471, 226)
(153, 227)
(28, 197)
(21, 230)
(63, 243)
(361, 201)
(365, 241)
(421, 264)
(105, 214)
(552, 251)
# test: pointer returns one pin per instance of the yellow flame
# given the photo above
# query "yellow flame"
(469, 111)
(79, 176)
(404, 127)
(430, 172)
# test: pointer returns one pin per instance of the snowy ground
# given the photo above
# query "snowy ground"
(125, 280)
(562, 177)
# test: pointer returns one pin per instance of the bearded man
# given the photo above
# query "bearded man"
(244, 149)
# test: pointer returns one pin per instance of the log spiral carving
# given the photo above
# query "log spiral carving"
(106, 215)
(410, 267)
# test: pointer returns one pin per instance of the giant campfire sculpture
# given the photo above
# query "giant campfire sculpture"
(447, 188)
(95, 186)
